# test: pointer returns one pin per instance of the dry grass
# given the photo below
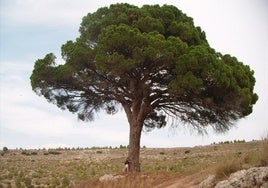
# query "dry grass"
(264, 154)
(70, 168)
(227, 167)
(140, 180)
(242, 160)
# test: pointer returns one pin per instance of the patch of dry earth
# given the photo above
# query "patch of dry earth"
(189, 181)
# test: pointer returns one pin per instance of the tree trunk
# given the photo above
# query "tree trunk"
(136, 113)
(134, 145)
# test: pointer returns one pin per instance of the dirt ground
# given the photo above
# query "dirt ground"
(190, 181)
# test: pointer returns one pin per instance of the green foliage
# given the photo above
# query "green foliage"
(52, 152)
(5, 149)
(187, 151)
(25, 152)
(230, 142)
(122, 147)
(151, 60)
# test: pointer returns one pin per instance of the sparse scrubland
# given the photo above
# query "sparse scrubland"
(84, 167)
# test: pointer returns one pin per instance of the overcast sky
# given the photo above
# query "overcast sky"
(30, 29)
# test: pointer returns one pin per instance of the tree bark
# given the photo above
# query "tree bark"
(136, 113)
(134, 145)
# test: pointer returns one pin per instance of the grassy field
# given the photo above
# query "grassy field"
(82, 168)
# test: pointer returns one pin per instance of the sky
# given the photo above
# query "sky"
(30, 29)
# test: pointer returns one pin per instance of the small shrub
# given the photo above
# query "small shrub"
(187, 151)
(5, 149)
(54, 152)
(34, 153)
(173, 169)
(24, 152)
(99, 152)
(122, 147)
(158, 167)
(162, 153)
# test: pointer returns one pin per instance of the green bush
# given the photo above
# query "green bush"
(54, 152)
(5, 149)
(24, 152)
(187, 151)
(174, 169)
(34, 153)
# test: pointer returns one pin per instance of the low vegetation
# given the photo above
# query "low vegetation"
(242, 160)
(83, 167)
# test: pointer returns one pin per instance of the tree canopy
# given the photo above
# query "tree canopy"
(154, 53)
(151, 61)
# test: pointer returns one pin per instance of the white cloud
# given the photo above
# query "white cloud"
(23, 112)
(242, 32)
(69, 12)
(43, 12)
(2, 144)
(50, 12)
